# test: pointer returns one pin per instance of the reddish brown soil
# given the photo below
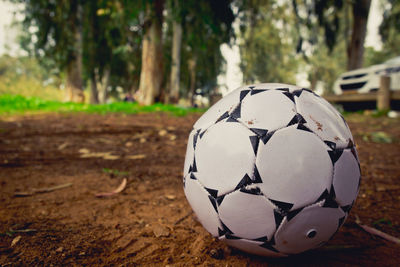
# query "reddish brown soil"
(150, 222)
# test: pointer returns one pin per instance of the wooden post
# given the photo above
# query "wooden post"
(383, 97)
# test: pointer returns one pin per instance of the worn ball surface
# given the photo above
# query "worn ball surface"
(271, 169)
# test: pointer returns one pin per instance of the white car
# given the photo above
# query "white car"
(367, 80)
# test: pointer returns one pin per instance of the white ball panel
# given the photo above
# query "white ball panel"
(226, 104)
(252, 247)
(247, 215)
(198, 198)
(294, 166)
(346, 178)
(189, 153)
(310, 228)
(323, 119)
(268, 110)
(224, 155)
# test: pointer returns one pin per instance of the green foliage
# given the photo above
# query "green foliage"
(326, 66)
(113, 173)
(24, 76)
(10, 104)
(267, 47)
(206, 25)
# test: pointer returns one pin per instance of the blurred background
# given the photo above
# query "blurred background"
(189, 52)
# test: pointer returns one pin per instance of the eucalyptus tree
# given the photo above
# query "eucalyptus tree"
(53, 33)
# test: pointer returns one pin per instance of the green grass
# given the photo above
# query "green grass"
(14, 104)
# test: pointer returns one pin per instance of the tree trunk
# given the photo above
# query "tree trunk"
(176, 61)
(192, 73)
(355, 50)
(151, 73)
(102, 84)
(94, 93)
(74, 82)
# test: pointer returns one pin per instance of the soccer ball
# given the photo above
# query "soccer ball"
(271, 169)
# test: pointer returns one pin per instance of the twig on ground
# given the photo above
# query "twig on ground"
(42, 190)
(183, 218)
(376, 232)
(120, 188)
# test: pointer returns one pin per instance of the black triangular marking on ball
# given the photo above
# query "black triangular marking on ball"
(223, 116)
(213, 202)
(236, 112)
(278, 218)
(225, 229)
(343, 119)
(245, 181)
(293, 213)
(257, 91)
(266, 137)
(332, 193)
(254, 140)
(252, 87)
(212, 192)
(346, 208)
(196, 135)
(284, 206)
(228, 236)
(282, 89)
(261, 239)
(194, 166)
(297, 92)
(350, 144)
(341, 221)
(256, 175)
(300, 118)
(289, 95)
(220, 199)
(190, 169)
(268, 246)
(353, 151)
(202, 133)
(230, 119)
(220, 232)
(193, 177)
(252, 191)
(303, 128)
(332, 145)
(292, 121)
(297, 119)
(243, 94)
(259, 132)
(323, 196)
(307, 90)
(330, 203)
(335, 154)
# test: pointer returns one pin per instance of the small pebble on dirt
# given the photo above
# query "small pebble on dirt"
(217, 253)
(160, 230)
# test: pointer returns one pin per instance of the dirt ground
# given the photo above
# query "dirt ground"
(150, 222)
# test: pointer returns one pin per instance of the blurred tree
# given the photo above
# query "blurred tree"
(355, 50)
(267, 41)
(334, 17)
(178, 10)
(205, 26)
(112, 46)
(151, 74)
(53, 33)
(390, 29)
